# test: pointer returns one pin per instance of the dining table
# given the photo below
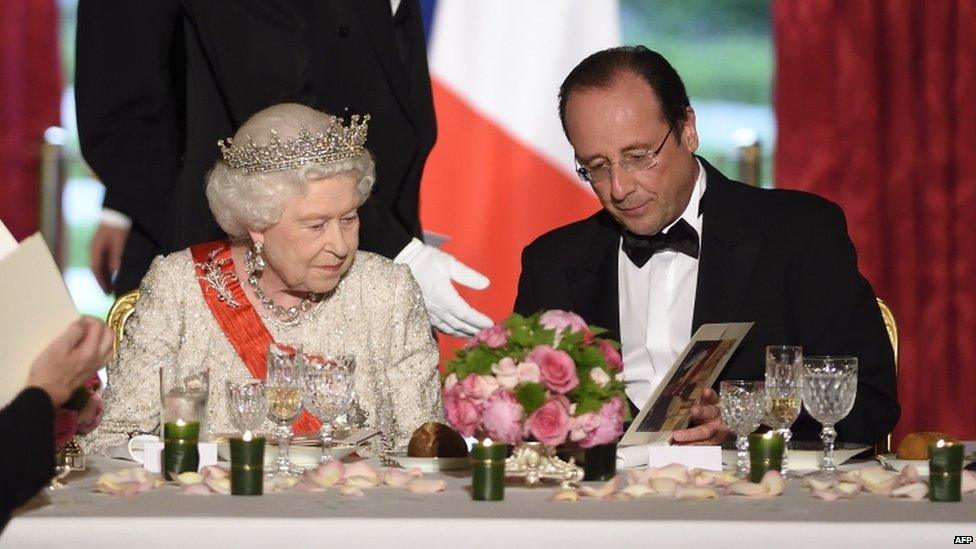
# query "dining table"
(77, 516)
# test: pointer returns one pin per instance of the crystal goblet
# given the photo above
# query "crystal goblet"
(283, 388)
(328, 392)
(743, 406)
(247, 403)
(784, 370)
(829, 388)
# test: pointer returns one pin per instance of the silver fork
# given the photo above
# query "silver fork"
(885, 464)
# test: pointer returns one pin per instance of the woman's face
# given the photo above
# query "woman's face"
(315, 242)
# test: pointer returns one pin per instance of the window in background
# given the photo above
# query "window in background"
(724, 53)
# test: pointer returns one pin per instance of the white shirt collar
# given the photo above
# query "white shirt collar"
(692, 213)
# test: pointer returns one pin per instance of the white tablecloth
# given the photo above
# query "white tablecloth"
(77, 517)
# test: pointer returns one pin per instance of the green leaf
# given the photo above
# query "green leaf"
(531, 396)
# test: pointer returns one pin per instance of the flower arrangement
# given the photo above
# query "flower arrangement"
(548, 377)
(81, 414)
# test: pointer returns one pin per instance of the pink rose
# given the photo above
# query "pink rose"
(494, 337)
(583, 425)
(65, 426)
(558, 320)
(450, 381)
(599, 376)
(503, 418)
(506, 372)
(528, 372)
(462, 413)
(550, 423)
(556, 368)
(91, 414)
(479, 387)
(611, 355)
(611, 425)
(93, 383)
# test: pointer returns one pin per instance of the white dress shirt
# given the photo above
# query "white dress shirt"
(656, 306)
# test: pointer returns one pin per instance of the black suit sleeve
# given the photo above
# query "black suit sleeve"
(27, 459)
(526, 302)
(127, 54)
(837, 314)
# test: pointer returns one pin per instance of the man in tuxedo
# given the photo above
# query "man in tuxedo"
(27, 423)
(158, 83)
(678, 245)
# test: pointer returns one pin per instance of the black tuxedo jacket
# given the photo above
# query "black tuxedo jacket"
(158, 83)
(27, 459)
(779, 258)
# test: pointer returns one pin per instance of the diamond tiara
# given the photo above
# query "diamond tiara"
(337, 142)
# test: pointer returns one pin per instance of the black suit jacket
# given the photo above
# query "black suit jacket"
(27, 459)
(779, 258)
(158, 83)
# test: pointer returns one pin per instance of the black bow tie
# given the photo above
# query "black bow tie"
(682, 237)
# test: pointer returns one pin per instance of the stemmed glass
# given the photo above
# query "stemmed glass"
(784, 369)
(247, 403)
(743, 407)
(284, 394)
(328, 392)
(829, 388)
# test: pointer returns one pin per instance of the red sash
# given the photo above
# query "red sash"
(236, 317)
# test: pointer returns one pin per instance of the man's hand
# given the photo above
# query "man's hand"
(435, 270)
(71, 358)
(708, 428)
(106, 253)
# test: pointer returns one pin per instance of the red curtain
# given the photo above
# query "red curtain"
(30, 102)
(876, 109)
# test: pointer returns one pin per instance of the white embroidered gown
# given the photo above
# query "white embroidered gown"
(376, 313)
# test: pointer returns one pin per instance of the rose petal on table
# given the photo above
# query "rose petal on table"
(219, 485)
(774, 483)
(189, 478)
(215, 472)
(639, 476)
(326, 475)
(415, 472)
(823, 484)
(284, 483)
(306, 486)
(881, 486)
(362, 469)
(665, 486)
(564, 494)
(638, 490)
(746, 488)
(426, 486)
(198, 489)
(675, 471)
(706, 477)
(353, 491)
(694, 493)
(397, 478)
(362, 482)
(825, 494)
(915, 490)
(848, 489)
(603, 491)
(909, 475)
(968, 481)
(620, 496)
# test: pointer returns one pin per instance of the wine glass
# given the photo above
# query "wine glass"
(743, 406)
(247, 403)
(328, 392)
(784, 369)
(829, 388)
(283, 388)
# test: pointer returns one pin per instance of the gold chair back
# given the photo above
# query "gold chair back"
(891, 326)
(119, 313)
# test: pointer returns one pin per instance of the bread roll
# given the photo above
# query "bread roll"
(434, 439)
(916, 445)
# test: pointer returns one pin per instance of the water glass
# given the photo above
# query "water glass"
(743, 406)
(328, 392)
(247, 403)
(784, 371)
(829, 388)
(183, 395)
(284, 387)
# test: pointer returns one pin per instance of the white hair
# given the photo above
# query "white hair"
(255, 201)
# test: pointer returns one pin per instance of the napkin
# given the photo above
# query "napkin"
(633, 456)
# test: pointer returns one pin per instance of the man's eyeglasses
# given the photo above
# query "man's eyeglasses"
(632, 161)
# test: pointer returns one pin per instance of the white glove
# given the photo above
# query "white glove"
(435, 270)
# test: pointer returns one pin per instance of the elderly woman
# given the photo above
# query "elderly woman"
(286, 192)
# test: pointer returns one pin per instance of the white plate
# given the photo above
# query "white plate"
(805, 458)
(921, 465)
(303, 455)
(432, 464)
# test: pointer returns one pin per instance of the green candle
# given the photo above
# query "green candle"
(180, 452)
(765, 454)
(945, 471)
(600, 462)
(488, 471)
(247, 465)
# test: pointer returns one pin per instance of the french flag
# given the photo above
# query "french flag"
(502, 172)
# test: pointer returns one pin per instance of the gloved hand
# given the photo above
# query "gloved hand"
(435, 270)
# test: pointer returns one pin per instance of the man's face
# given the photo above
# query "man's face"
(607, 125)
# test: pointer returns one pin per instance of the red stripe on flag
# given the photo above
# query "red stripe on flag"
(491, 196)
